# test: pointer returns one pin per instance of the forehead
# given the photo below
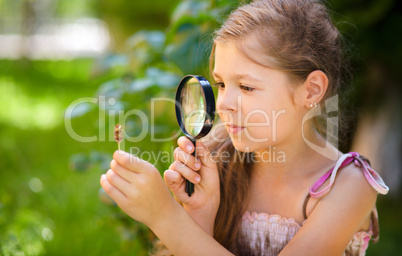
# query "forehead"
(233, 65)
(229, 59)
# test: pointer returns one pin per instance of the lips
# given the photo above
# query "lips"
(233, 129)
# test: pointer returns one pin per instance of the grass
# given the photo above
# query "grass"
(45, 207)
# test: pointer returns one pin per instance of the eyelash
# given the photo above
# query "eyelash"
(247, 88)
(219, 85)
(243, 87)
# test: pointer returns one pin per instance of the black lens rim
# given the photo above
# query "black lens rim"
(209, 98)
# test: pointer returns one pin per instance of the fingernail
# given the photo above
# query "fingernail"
(197, 179)
(103, 176)
(189, 148)
(197, 165)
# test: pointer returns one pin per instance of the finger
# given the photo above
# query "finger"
(176, 184)
(173, 180)
(118, 182)
(113, 192)
(205, 156)
(182, 156)
(186, 144)
(186, 172)
(121, 171)
(132, 162)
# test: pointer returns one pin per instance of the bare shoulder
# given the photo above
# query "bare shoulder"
(351, 197)
(337, 216)
(351, 180)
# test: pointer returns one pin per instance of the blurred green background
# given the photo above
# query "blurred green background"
(54, 52)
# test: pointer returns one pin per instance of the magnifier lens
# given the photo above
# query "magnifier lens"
(195, 111)
(193, 107)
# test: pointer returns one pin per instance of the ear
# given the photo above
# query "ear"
(315, 87)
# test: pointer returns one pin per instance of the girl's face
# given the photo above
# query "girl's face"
(257, 105)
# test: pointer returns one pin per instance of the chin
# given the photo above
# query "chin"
(250, 146)
(243, 147)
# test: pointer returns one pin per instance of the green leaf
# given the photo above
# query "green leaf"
(155, 77)
(145, 48)
(109, 62)
(163, 78)
(82, 109)
(189, 8)
(154, 39)
(112, 89)
(190, 49)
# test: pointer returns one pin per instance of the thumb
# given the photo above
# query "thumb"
(205, 156)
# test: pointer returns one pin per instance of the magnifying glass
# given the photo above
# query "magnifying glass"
(195, 111)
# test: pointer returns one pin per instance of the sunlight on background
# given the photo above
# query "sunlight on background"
(22, 111)
(55, 39)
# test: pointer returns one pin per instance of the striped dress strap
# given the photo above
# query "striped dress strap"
(371, 176)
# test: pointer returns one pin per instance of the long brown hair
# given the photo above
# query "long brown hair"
(296, 37)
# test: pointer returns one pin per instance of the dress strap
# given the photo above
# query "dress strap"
(305, 206)
(375, 227)
(371, 176)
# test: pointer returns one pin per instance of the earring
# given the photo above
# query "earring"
(313, 105)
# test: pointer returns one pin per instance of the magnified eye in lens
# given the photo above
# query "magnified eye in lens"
(193, 107)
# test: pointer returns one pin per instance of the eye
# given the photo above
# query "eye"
(219, 85)
(247, 88)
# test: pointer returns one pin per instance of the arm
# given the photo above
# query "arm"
(204, 217)
(183, 236)
(336, 217)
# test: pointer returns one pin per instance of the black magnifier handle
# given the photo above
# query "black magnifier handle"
(189, 185)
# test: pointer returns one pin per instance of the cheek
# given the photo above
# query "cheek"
(268, 126)
(259, 126)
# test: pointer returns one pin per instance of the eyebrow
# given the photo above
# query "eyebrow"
(239, 76)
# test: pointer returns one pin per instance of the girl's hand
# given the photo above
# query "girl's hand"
(137, 187)
(204, 202)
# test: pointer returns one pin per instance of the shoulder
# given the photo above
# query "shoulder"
(351, 189)
(350, 181)
(350, 175)
(342, 211)
(338, 215)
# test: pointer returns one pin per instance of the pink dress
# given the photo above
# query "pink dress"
(268, 234)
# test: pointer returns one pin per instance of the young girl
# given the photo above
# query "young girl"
(265, 189)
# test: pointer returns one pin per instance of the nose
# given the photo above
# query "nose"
(227, 101)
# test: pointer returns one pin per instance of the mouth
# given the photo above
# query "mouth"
(233, 129)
